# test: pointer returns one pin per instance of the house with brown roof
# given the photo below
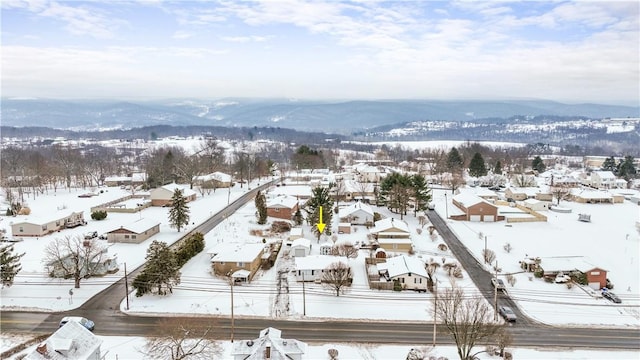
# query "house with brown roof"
(162, 196)
(282, 207)
(475, 208)
(241, 261)
(135, 232)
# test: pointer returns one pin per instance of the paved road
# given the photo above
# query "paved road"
(103, 308)
(480, 277)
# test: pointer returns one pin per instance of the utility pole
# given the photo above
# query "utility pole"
(232, 317)
(485, 249)
(435, 306)
(304, 300)
(446, 205)
(495, 295)
(126, 285)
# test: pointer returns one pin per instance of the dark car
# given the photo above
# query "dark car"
(498, 283)
(507, 314)
(611, 297)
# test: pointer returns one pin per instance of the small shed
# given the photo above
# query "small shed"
(344, 228)
(300, 247)
(296, 233)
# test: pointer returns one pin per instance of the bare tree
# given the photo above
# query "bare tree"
(560, 192)
(522, 180)
(345, 249)
(488, 255)
(74, 257)
(337, 277)
(468, 319)
(183, 338)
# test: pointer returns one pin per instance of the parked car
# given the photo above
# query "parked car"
(562, 278)
(498, 283)
(91, 235)
(507, 314)
(88, 324)
(103, 237)
(611, 297)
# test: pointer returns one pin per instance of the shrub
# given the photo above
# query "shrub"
(442, 247)
(376, 217)
(280, 226)
(99, 215)
(24, 211)
(538, 273)
(397, 286)
(507, 247)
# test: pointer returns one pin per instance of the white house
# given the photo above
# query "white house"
(357, 213)
(71, 341)
(311, 268)
(300, 247)
(270, 345)
(409, 271)
(603, 179)
(162, 196)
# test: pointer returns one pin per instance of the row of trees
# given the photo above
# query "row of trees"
(625, 168)
(398, 192)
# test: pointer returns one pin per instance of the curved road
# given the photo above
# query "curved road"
(104, 309)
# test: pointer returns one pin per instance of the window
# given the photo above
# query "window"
(126, 236)
(133, 236)
(21, 229)
(240, 264)
(44, 227)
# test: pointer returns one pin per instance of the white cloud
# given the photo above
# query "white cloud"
(181, 34)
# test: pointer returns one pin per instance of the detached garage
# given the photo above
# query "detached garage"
(475, 209)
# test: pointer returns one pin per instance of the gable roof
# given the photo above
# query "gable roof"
(400, 265)
(72, 338)
(139, 226)
(390, 224)
(287, 202)
(237, 252)
(281, 349)
(355, 207)
(185, 190)
(317, 262)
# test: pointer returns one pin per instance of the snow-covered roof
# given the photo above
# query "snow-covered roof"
(296, 231)
(71, 341)
(40, 219)
(403, 264)
(354, 208)
(591, 194)
(218, 176)
(280, 349)
(139, 226)
(317, 262)
(383, 241)
(605, 175)
(237, 252)
(566, 263)
(185, 190)
(529, 191)
(287, 202)
(301, 242)
(467, 199)
(390, 223)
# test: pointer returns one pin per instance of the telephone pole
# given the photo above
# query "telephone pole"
(126, 285)
(435, 307)
(304, 300)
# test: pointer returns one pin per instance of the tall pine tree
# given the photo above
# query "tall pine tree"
(320, 196)
(9, 264)
(261, 207)
(477, 167)
(161, 271)
(179, 212)
(538, 165)
(609, 164)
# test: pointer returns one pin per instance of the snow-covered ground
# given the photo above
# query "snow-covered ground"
(610, 240)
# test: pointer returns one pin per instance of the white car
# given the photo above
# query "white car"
(88, 324)
(562, 278)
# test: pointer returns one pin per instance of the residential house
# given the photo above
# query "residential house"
(596, 276)
(536, 205)
(311, 268)
(357, 213)
(162, 196)
(228, 258)
(135, 232)
(409, 271)
(475, 208)
(300, 247)
(358, 190)
(392, 235)
(282, 207)
(269, 346)
(39, 226)
(136, 179)
(603, 180)
(524, 193)
(595, 197)
(71, 341)
(99, 264)
(215, 180)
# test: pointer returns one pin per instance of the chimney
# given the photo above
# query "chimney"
(267, 350)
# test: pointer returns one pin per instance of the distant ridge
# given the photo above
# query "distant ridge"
(329, 116)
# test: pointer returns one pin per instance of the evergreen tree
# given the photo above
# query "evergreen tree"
(609, 164)
(261, 208)
(538, 165)
(320, 196)
(161, 271)
(498, 168)
(395, 192)
(421, 193)
(9, 264)
(297, 217)
(454, 160)
(626, 169)
(179, 212)
(477, 167)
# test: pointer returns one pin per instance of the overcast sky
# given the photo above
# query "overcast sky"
(565, 51)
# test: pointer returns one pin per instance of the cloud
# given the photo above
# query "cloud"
(181, 34)
(244, 39)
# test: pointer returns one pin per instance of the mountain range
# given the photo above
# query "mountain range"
(341, 117)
